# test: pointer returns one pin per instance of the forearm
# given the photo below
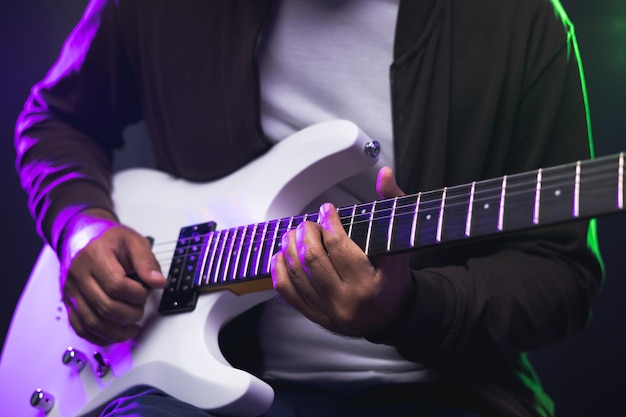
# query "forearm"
(499, 298)
(518, 295)
(63, 172)
(72, 121)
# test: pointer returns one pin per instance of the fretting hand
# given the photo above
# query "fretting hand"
(322, 273)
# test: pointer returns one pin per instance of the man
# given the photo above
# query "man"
(461, 91)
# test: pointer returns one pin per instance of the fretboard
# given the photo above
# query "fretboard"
(206, 258)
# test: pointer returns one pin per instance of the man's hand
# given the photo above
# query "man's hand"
(97, 256)
(322, 273)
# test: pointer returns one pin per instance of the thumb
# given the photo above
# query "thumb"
(386, 185)
(142, 261)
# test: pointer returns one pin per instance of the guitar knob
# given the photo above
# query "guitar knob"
(42, 400)
(74, 359)
(103, 365)
(372, 149)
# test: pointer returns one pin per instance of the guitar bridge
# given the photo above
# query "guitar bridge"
(181, 293)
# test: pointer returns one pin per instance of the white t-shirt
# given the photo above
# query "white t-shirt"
(324, 60)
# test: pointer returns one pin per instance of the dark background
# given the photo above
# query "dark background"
(584, 374)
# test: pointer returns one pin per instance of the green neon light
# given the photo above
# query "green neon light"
(572, 45)
(543, 403)
(592, 233)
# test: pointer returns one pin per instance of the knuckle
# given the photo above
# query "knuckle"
(346, 319)
(333, 239)
(104, 308)
(90, 324)
(135, 314)
(312, 255)
(280, 286)
(292, 265)
(115, 289)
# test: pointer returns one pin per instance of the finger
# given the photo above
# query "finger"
(297, 255)
(344, 255)
(106, 260)
(333, 262)
(107, 296)
(112, 282)
(143, 265)
(386, 185)
(92, 327)
(98, 277)
(312, 256)
(282, 272)
(280, 280)
(287, 292)
(297, 267)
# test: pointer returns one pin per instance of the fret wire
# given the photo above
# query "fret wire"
(501, 209)
(275, 235)
(537, 197)
(260, 250)
(352, 221)
(290, 224)
(391, 221)
(620, 182)
(369, 228)
(204, 258)
(223, 239)
(415, 216)
(576, 212)
(440, 219)
(215, 242)
(468, 222)
(239, 251)
(229, 256)
(249, 249)
(270, 248)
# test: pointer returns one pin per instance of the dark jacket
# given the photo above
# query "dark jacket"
(480, 89)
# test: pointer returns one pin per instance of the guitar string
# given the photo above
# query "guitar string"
(436, 202)
(481, 196)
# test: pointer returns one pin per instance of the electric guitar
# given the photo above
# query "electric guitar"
(217, 274)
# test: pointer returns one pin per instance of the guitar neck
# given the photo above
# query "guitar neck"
(208, 259)
(543, 197)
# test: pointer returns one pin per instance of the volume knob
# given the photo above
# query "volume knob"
(42, 400)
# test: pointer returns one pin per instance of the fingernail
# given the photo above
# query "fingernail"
(157, 275)
(284, 241)
(324, 210)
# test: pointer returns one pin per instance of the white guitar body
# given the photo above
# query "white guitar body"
(177, 353)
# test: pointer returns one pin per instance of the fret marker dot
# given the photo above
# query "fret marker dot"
(363, 211)
(486, 206)
(428, 217)
(557, 193)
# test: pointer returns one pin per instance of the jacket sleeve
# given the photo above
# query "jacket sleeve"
(72, 121)
(497, 298)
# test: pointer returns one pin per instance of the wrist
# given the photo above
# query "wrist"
(399, 326)
(80, 227)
